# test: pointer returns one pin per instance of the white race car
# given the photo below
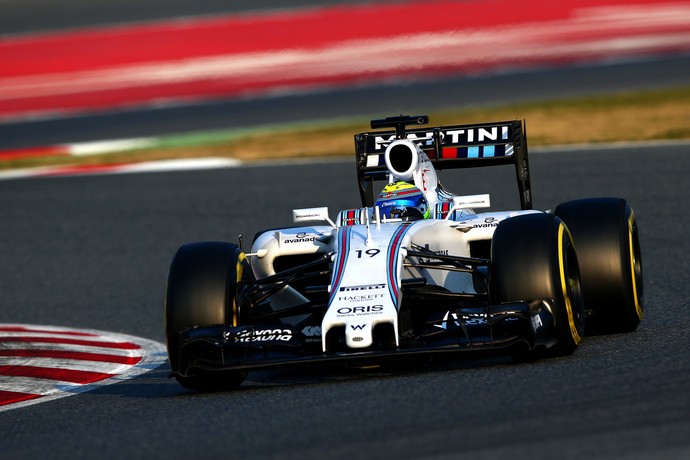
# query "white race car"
(415, 271)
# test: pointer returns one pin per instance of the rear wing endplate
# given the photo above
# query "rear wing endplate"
(448, 147)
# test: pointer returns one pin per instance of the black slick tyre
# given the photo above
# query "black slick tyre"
(607, 240)
(202, 291)
(533, 257)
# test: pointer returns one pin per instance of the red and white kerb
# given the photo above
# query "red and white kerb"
(41, 363)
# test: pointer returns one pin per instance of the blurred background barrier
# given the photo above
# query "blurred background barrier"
(169, 61)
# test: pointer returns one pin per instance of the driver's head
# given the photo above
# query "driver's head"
(401, 200)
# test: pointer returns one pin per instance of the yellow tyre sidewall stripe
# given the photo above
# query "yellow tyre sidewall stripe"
(636, 299)
(561, 266)
(239, 270)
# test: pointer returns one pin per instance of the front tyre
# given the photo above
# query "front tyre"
(202, 291)
(607, 239)
(533, 257)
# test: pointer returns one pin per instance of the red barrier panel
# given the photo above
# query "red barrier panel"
(200, 58)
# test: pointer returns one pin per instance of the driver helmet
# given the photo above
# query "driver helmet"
(401, 200)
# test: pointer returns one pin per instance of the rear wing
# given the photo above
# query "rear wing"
(448, 147)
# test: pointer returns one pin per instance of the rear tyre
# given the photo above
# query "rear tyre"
(533, 257)
(607, 239)
(202, 291)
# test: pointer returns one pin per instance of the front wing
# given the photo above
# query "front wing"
(520, 325)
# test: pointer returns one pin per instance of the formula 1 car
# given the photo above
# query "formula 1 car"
(415, 271)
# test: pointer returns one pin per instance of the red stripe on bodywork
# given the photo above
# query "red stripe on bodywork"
(343, 251)
(394, 249)
(449, 152)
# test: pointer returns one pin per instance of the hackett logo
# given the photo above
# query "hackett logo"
(359, 298)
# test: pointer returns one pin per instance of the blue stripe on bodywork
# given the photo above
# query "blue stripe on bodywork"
(392, 265)
(340, 263)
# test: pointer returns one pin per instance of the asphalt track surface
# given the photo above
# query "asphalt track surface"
(93, 252)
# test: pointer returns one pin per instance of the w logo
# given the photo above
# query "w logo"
(357, 327)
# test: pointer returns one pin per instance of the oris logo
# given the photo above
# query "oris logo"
(364, 310)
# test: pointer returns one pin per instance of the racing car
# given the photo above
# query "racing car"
(415, 271)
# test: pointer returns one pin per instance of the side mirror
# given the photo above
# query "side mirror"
(312, 214)
(472, 201)
(469, 202)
